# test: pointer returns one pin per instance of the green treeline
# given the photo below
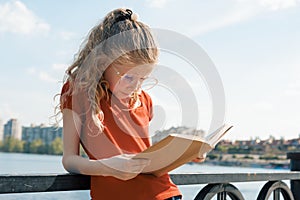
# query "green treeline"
(10, 144)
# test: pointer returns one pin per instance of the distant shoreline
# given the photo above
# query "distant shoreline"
(249, 165)
(249, 160)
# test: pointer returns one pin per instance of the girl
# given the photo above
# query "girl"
(106, 110)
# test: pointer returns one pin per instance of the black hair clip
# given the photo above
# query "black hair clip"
(129, 12)
(124, 16)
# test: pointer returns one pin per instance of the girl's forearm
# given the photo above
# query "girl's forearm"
(121, 166)
(80, 165)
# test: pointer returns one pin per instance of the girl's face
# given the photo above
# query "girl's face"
(124, 79)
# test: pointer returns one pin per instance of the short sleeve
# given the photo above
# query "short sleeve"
(77, 102)
(65, 97)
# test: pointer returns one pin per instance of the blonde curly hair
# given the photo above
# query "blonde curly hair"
(119, 39)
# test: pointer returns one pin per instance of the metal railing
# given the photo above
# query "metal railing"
(217, 185)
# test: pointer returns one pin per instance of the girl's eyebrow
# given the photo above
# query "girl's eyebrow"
(136, 74)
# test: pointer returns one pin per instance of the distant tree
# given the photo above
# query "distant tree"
(248, 157)
(8, 144)
(269, 157)
(26, 148)
(19, 146)
(212, 156)
(56, 147)
(11, 144)
(47, 149)
(238, 150)
(221, 148)
(36, 146)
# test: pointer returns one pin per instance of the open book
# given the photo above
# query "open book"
(178, 149)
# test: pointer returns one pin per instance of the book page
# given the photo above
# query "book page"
(172, 152)
(215, 137)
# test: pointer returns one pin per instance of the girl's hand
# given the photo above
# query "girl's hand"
(200, 158)
(123, 166)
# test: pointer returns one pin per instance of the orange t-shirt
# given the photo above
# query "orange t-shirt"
(125, 131)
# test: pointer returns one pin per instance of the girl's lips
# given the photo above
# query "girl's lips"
(123, 95)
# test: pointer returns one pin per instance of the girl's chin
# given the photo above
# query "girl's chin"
(122, 95)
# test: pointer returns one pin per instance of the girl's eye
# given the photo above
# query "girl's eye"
(128, 77)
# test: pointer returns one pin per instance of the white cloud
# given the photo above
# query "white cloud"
(156, 3)
(31, 71)
(44, 76)
(293, 89)
(239, 14)
(59, 66)
(201, 17)
(15, 17)
(263, 106)
(243, 10)
(278, 4)
(52, 76)
(65, 53)
(67, 35)
(7, 112)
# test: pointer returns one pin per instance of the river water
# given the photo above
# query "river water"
(13, 163)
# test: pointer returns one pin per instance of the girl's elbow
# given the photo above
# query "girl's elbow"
(67, 165)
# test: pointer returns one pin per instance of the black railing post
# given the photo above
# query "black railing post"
(295, 166)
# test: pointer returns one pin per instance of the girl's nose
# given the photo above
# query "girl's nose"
(135, 84)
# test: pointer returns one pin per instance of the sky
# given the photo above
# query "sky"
(254, 45)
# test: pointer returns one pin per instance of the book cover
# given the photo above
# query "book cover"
(178, 149)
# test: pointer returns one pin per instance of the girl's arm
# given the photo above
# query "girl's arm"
(121, 167)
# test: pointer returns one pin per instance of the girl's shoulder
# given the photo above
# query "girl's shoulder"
(65, 96)
(145, 96)
(65, 87)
